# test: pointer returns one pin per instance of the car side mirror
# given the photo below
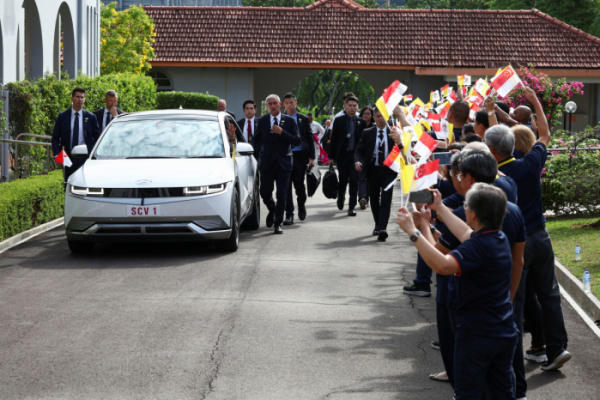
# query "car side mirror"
(244, 149)
(80, 151)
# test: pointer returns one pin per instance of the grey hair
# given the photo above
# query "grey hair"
(110, 93)
(488, 203)
(501, 138)
(223, 100)
(476, 146)
(273, 96)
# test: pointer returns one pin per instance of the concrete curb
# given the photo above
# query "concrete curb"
(25, 236)
(574, 287)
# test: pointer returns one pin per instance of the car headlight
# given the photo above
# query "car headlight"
(202, 190)
(83, 191)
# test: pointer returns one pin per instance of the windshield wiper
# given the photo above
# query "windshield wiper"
(205, 157)
(127, 158)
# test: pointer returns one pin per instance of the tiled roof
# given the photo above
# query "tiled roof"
(341, 32)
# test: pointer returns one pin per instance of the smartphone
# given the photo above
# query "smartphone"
(424, 196)
(443, 157)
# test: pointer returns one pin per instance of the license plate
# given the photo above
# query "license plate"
(143, 211)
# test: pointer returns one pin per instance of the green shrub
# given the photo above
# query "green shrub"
(35, 105)
(570, 178)
(26, 203)
(197, 101)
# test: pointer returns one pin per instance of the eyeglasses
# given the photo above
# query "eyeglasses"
(465, 205)
(457, 176)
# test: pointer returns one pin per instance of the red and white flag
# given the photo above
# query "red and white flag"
(408, 97)
(63, 158)
(426, 176)
(505, 81)
(424, 147)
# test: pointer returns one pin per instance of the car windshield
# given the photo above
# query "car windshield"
(162, 139)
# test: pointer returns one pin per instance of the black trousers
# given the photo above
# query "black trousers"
(348, 175)
(378, 178)
(297, 181)
(268, 178)
(446, 333)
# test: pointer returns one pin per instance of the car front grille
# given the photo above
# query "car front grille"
(146, 193)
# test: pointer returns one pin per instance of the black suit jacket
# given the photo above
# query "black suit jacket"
(366, 147)
(306, 137)
(61, 136)
(100, 115)
(241, 123)
(275, 146)
(338, 134)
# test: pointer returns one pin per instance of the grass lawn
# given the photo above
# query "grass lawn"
(568, 232)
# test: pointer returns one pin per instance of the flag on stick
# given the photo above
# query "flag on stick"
(390, 99)
(505, 81)
(63, 158)
(424, 147)
(482, 87)
(425, 176)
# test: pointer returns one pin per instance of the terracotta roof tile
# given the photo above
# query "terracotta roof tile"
(341, 32)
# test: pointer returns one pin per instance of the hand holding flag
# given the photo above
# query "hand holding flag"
(63, 159)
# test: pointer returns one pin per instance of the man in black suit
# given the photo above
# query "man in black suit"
(303, 155)
(108, 113)
(249, 124)
(222, 106)
(345, 135)
(373, 148)
(74, 127)
(276, 134)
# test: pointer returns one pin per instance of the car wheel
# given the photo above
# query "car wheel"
(252, 222)
(80, 247)
(230, 245)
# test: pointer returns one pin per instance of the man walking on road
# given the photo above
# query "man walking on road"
(276, 134)
(303, 156)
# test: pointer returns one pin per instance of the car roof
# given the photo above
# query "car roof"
(171, 114)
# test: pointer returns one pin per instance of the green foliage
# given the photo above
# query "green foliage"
(35, 105)
(27, 203)
(570, 178)
(197, 101)
(579, 13)
(323, 91)
(126, 39)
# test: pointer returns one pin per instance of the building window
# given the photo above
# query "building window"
(161, 80)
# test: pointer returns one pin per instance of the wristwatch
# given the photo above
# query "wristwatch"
(432, 229)
(490, 113)
(415, 236)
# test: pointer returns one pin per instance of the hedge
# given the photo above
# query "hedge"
(35, 105)
(197, 101)
(27, 203)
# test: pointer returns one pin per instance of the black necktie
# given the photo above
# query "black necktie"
(108, 118)
(381, 152)
(75, 140)
(274, 121)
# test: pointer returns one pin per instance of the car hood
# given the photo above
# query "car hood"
(155, 173)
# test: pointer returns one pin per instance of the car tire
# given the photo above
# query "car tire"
(80, 247)
(232, 244)
(252, 221)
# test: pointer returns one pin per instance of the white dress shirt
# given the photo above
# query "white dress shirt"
(318, 129)
(81, 139)
(277, 118)
(378, 143)
(245, 132)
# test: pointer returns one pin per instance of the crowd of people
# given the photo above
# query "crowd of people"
(483, 233)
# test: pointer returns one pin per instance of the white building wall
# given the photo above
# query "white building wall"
(41, 28)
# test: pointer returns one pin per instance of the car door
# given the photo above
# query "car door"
(242, 168)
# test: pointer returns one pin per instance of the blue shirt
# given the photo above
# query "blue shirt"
(526, 174)
(299, 147)
(454, 201)
(446, 188)
(483, 281)
(457, 133)
(508, 186)
(517, 154)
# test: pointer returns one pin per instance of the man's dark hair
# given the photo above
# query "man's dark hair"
(455, 162)
(468, 129)
(248, 102)
(503, 106)
(346, 95)
(488, 203)
(77, 90)
(460, 110)
(289, 95)
(309, 114)
(456, 146)
(471, 137)
(481, 165)
(482, 118)
(352, 98)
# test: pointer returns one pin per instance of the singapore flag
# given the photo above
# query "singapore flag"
(63, 158)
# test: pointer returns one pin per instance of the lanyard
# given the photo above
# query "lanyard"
(506, 162)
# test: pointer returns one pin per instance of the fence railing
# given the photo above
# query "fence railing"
(18, 142)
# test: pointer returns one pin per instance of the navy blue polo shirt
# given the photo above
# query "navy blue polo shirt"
(517, 154)
(508, 186)
(526, 174)
(457, 133)
(483, 281)
(445, 187)
(454, 201)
